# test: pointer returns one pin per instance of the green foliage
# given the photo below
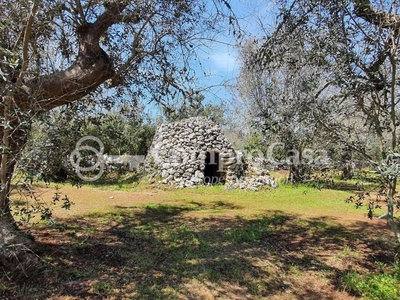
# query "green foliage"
(322, 180)
(30, 207)
(54, 136)
(257, 143)
(122, 134)
(9, 61)
(193, 105)
(65, 201)
(381, 286)
(388, 169)
(250, 233)
(383, 194)
(316, 80)
(102, 287)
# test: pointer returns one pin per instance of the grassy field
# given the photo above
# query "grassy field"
(149, 242)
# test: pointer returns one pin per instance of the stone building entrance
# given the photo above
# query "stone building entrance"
(213, 169)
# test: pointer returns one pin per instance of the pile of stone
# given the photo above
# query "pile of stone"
(179, 151)
(256, 175)
(194, 151)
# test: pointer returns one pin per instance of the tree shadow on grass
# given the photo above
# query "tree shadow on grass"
(158, 252)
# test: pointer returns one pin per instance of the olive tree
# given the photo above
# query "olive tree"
(56, 52)
(276, 97)
(124, 130)
(352, 50)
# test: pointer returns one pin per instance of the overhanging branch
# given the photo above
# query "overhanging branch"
(365, 10)
(91, 68)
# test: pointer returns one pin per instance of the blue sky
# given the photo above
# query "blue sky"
(221, 59)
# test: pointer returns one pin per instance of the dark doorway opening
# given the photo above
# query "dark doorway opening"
(212, 172)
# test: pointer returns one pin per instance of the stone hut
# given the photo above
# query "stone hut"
(194, 151)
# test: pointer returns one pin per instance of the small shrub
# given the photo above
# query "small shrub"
(101, 287)
(382, 286)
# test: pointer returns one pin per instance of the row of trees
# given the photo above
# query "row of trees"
(123, 131)
(328, 74)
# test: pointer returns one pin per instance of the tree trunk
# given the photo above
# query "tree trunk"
(28, 96)
(347, 171)
(297, 167)
(16, 258)
(347, 164)
(394, 226)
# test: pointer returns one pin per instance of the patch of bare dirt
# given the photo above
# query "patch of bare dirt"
(166, 252)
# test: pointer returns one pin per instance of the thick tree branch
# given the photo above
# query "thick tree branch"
(27, 35)
(91, 68)
(365, 10)
(5, 155)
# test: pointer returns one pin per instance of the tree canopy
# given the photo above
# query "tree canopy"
(63, 50)
(55, 53)
(334, 64)
(58, 52)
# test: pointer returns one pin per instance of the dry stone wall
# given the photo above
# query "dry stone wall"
(194, 151)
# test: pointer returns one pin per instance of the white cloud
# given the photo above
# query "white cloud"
(224, 62)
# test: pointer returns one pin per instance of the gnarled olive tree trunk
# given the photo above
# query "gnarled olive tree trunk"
(15, 253)
(26, 98)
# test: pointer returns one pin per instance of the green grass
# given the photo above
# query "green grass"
(299, 199)
(206, 243)
(382, 286)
